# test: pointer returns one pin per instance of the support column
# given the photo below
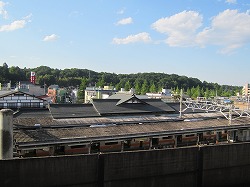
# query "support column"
(150, 143)
(228, 136)
(6, 134)
(89, 148)
(122, 146)
(198, 139)
(235, 137)
(217, 137)
(175, 141)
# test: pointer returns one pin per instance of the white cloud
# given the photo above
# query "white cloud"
(230, 30)
(17, 24)
(75, 14)
(125, 21)
(13, 26)
(180, 28)
(2, 11)
(231, 1)
(28, 17)
(141, 37)
(50, 38)
(121, 11)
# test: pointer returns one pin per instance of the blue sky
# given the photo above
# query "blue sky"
(204, 39)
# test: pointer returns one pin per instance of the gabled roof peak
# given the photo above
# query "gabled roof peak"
(130, 99)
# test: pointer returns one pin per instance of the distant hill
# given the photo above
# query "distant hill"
(142, 82)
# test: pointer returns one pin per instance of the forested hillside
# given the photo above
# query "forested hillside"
(142, 82)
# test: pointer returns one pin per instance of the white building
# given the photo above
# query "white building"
(246, 90)
(18, 99)
(98, 93)
(163, 94)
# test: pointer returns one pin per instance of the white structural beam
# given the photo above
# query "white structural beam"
(227, 110)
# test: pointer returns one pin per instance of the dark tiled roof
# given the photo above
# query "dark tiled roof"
(88, 134)
(16, 92)
(123, 96)
(5, 92)
(32, 113)
(27, 118)
(110, 107)
(72, 110)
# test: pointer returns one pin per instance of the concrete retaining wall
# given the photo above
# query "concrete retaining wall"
(151, 168)
(224, 165)
(52, 171)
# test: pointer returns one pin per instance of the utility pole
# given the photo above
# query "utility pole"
(229, 122)
(247, 102)
(230, 115)
(44, 88)
(180, 104)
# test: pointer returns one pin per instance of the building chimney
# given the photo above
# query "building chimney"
(6, 134)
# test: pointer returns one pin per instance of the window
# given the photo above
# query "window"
(11, 105)
(35, 105)
(25, 105)
(111, 143)
(77, 146)
(189, 135)
(167, 137)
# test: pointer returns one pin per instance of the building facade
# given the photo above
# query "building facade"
(57, 94)
(98, 93)
(246, 90)
(18, 99)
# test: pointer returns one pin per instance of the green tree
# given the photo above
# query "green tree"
(177, 90)
(43, 70)
(196, 92)
(47, 79)
(81, 90)
(138, 86)
(189, 93)
(144, 88)
(16, 74)
(101, 82)
(4, 73)
(127, 86)
(152, 88)
(207, 93)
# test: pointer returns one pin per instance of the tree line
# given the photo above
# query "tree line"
(141, 82)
